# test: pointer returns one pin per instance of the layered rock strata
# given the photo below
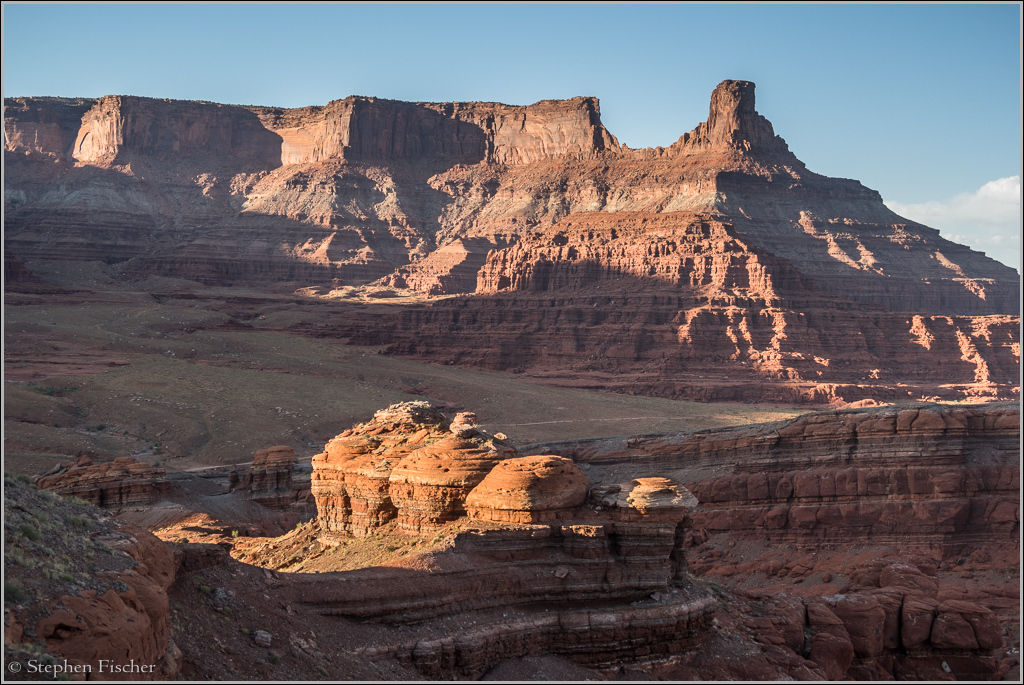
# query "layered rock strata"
(429, 487)
(363, 186)
(719, 251)
(890, 619)
(123, 482)
(606, 563)
(928, 476)
(409, 463)
(269, 478)
(863, 517)
(605, 637)
(534, 489)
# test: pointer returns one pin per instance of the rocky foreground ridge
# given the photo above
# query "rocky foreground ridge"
(573, 254)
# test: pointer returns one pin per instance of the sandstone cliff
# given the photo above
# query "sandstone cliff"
(877, 542)
(364, 185)
(937, 478)
(720, 251)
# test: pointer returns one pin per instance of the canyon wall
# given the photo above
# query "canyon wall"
(933, 477)
(877, 543)
(717, 268)
(371, 180)
(121, 483)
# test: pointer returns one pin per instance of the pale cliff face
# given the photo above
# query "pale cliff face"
(353, 129)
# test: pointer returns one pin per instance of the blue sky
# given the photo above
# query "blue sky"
(922, 103)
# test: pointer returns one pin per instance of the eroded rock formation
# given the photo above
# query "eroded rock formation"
(409, 463)
(269, 478)
(863, 517)
(723, 245)
(534, 489)
(928, 476)
(120, 483)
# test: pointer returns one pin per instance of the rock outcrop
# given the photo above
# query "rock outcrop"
(923, 477)
(593, 574)
(877, 510)
(409, 463)
(429, 487)
(84, 592)
(123, 482)
(269, 478)
(536, 489)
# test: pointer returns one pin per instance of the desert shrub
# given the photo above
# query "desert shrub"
(30, 532)
(14, 591)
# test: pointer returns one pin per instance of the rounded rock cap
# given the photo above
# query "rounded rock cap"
(537, 483)
(660, 493)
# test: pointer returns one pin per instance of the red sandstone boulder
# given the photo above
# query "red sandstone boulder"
(905, 575)
(891, 601)
(965, 625)
(917, 616)
(864, 619)
(831, 648)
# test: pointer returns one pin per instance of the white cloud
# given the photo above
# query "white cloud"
(988, 219)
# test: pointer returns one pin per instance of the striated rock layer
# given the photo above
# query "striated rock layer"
(681, 305)
(364, 185)
(575, 253)
(849, 528)
(931, 477)
(121, 483)
(606, 564)
(269, 478)
(409, 463)
(529, 490)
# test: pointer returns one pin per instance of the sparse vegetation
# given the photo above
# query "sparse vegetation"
(30, 532)
(14, 591)
(217, 407)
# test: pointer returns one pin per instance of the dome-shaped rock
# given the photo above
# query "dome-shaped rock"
(430, 485)
(529, 490)
(350, 478)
